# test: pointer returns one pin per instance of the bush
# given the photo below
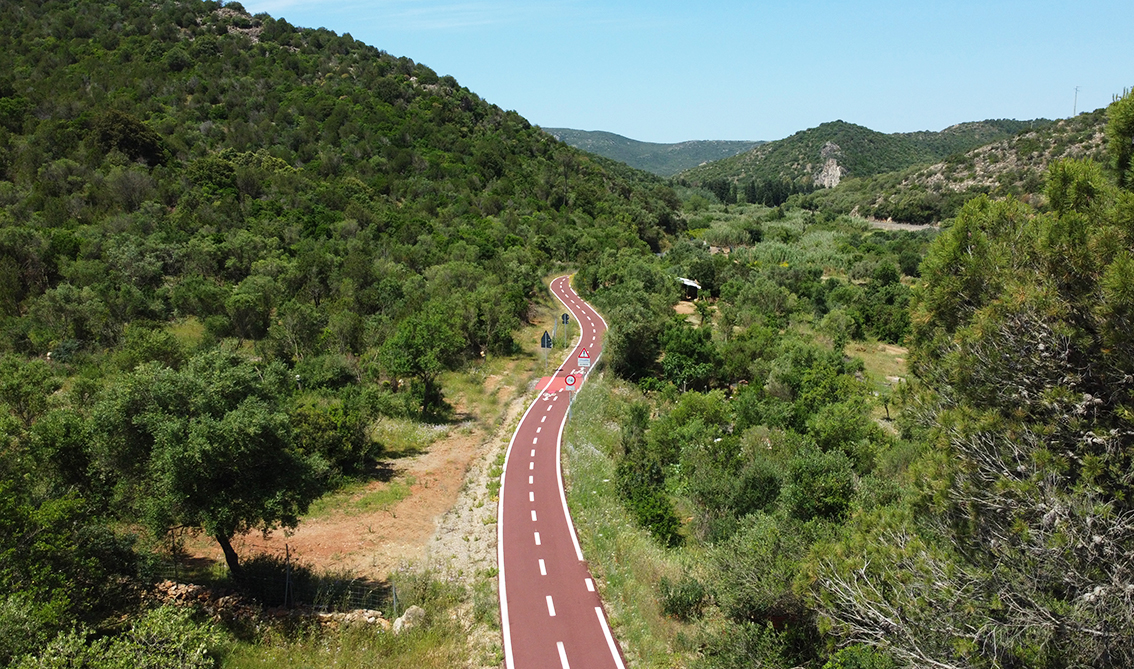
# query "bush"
(683, 600)
(756, 568)
(819, 485)
(162, 638)
(653, 510)
(27, 627)
(326, 371)
(859, 657)
(745, 646)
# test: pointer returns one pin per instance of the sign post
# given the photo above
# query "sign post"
(544, 347)
(584, 359)
(566, 321)
(570, 381)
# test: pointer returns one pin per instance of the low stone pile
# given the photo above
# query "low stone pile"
(217, 605)
(355, 617)
(230, 607)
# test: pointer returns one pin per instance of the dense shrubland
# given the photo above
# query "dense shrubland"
(751, 436)
(989, 525)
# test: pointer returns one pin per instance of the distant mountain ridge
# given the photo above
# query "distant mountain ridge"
(659, 158)
(824, 155)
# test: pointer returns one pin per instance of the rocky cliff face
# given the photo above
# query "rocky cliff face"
(831, 173)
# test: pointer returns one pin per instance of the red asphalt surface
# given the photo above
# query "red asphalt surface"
(551, 615)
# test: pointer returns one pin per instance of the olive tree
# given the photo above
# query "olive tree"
(207, 446)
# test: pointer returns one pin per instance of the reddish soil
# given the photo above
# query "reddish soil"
(371, 544)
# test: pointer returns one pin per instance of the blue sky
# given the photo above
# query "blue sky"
(667, 71)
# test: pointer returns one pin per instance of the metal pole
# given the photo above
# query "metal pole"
(287, 575)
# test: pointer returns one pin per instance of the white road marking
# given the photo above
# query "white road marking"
(548, 408)
(531, 466)
(542, 568)
(539, 429)
(533, 452)
(562, 655)
(535, 440)
(537, 538)
(533, 515)
(590, 585)
(609, 639)
(551, 607)
(531, 480)
(544, 419)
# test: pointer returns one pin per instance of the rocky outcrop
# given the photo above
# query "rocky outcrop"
(831, 173)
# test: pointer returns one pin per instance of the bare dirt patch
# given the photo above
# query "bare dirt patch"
(370, 540)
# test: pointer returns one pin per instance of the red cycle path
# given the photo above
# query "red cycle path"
(551, 615)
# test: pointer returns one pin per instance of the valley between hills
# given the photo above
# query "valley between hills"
(272, 303)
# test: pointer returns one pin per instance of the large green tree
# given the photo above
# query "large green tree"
(208, 446)
(425, 345)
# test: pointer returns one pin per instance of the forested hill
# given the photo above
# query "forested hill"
(1015, 166)
(805, 158)
(661, 159)
(159, 160)
(228, 246)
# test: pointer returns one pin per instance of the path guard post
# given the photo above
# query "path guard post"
(570, 382)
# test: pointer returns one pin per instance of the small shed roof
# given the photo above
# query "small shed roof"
(689, 282)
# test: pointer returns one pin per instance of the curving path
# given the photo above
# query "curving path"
(551, 617)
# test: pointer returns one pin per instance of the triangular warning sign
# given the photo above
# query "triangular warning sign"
(584, 354)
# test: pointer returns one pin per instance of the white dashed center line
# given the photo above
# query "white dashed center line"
(550, 607)
(535, 440)
(537, 538)
(531, 496)
(590, 585)
(531, 480)
(542, 568)
(544, 419)
(533, 516)
(562, 655)
(531, 466)
(533, 452)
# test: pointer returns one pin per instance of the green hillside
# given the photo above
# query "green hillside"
(804, 160)
(1013, 166)
(229, 247)
(661, 159)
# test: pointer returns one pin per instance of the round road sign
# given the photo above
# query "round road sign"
(570, 380)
